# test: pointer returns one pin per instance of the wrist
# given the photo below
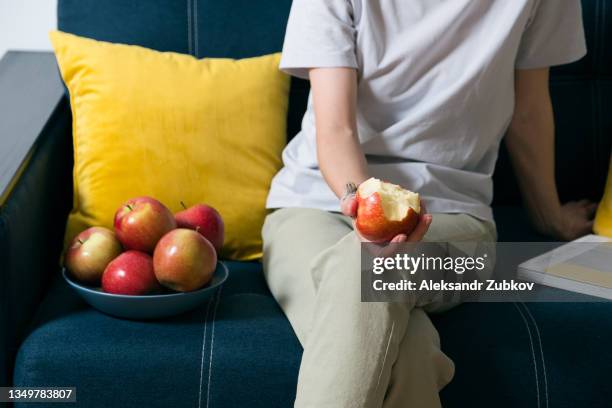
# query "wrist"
(550, 221)
(348, 203)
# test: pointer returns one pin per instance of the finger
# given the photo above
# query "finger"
(391, 248)
(399, 238)
(421, 229)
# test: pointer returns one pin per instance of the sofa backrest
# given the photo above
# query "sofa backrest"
(582, 91)
(582, 100)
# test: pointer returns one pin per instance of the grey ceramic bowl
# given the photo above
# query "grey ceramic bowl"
(148, 306)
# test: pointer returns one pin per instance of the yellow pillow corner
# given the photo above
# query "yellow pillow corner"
(176, 128)
(603, 218)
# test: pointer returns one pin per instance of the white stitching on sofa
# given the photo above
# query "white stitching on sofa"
(535, 366)
(541, 351)
(203, 348)
(189, 26)
(212, 344)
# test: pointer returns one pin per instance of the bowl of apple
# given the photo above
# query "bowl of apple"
(152, 264)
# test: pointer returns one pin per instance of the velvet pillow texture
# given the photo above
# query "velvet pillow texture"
(175, 128)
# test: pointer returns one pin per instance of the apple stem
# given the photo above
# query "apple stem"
(183, 205)
(129, 206)
(80, 241)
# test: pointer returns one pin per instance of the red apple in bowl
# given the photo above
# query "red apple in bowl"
(184, 260)
(141, 222)
(131, 273)
(205, 220)
(90, 252)
(385, 210)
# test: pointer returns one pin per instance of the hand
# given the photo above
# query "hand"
(574, 220)
(348, 206)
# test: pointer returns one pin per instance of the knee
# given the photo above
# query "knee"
(340, 265)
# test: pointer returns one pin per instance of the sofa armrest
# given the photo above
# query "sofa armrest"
(35, 189)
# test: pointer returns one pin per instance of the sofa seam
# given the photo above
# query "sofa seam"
(212, 345)
(535, 366)
(189, 29)
(196, 42)
(203, 351)
(544, 375)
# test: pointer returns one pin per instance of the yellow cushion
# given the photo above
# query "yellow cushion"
(175, 128)
(603, 218)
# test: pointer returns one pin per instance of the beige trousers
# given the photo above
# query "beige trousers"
(355, 354)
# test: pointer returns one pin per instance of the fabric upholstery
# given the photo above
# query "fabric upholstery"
(236, 350)
(501, 350)
(31, 226)
(553, 353)
(582, 100)
(522, 355)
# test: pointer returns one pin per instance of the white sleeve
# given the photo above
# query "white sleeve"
(320, 33)
(553, 36)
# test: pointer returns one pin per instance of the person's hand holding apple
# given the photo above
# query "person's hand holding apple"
(384, 212)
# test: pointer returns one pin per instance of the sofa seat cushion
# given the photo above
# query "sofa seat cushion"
(528, 354)
(239, 350)
(245, 277)
(513, 225)
(236, 350)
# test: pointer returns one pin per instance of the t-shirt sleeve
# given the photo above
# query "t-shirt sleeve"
(320, 33)
(553, 36)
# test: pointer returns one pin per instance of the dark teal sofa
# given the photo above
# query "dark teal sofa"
(238, 350)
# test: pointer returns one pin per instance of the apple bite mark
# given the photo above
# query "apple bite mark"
(385, 210)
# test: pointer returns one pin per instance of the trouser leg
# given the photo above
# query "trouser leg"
(422, 369)
(352, 349)
(293, 237)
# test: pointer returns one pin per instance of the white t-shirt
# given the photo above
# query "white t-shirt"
(435, 89)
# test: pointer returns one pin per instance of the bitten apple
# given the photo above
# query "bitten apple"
(90, 252)
(205, 220)
(385, 210)
(141, 222)
(184, 260)
(131, 273)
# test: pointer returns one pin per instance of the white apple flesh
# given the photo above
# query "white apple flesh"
(385, 210)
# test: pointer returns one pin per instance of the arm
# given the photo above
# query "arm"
(341, 160)
(530, 142)
(36, 183)
(339, 153)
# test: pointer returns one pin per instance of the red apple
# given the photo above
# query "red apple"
(184, 260)
(385, 210)
(90, 252)
(205, 220)
(131, 273)
(141, 222)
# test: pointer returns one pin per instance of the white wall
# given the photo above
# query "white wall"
(24, 24)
